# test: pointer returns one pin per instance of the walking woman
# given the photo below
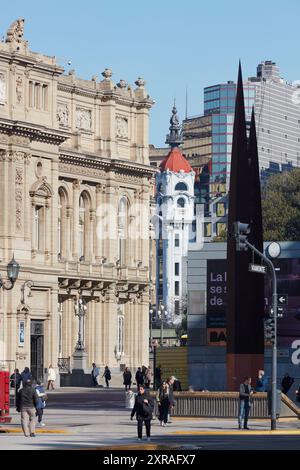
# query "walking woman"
(163, 398)
(127, 378)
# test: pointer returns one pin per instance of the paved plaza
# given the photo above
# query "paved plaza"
(97, 419)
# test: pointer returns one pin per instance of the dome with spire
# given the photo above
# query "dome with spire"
(175, 162)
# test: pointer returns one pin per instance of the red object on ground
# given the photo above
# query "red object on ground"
(4, 397)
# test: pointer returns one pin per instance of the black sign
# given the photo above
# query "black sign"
(282, 299)
(216, 293)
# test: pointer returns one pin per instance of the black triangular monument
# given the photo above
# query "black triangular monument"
(245, 297)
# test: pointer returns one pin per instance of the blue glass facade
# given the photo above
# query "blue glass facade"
(219, 102)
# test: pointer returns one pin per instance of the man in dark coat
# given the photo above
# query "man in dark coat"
(143, 408)
(245, 396)
(27, 401)
(286, 383)
(139, 377)
(157, 377)
(127, 377)
(26, 375)
(16, 379)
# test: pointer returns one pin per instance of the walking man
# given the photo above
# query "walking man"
(127, 378)
(95, 374)
(39, 388)
(107, 376)
(27, 401)
(246, 393)
(26, 375)
(139, 377)
(286, 383)
(143, 410)
(16, 380)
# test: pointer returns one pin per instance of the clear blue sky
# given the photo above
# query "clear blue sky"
(172, 44)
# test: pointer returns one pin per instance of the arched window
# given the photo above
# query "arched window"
(41, 194)
(82, 226)
(122, 230)
(181, 187)
(180, 202)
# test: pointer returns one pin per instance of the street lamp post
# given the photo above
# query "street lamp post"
(161, 314)
(80, 312)
(151, 319)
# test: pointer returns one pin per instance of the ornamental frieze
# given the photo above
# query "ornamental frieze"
(128, 178)
(2, 88)
(15, 156)
(80, 170)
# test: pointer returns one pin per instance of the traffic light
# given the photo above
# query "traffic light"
(269, 329)
(241, 232)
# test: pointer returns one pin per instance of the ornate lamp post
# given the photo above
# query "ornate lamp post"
(80, 312)
(151, 320)
(162, 315)
(13, 269)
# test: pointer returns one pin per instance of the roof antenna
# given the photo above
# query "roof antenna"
(186, 102)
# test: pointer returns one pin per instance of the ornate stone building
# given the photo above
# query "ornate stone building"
(75, 187)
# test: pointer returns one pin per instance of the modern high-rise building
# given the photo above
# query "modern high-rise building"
(277, 114)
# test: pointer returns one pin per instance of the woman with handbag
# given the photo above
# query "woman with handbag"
(143, 410)
(163, 398)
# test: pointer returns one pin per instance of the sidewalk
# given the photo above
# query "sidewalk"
(94, 418)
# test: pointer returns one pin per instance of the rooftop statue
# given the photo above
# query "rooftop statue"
(15, 31)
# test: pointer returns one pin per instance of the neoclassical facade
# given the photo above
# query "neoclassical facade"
(75, 186)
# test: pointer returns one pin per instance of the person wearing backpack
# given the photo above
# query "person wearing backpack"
(107, 375)
(143, 408)
(40, 391)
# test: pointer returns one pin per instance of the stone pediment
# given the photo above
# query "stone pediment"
(41, 188)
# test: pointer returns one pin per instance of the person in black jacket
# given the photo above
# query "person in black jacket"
(143, 408)
(127, 378)
(245, 396)
(16, 376)
(27, 401)
(139, 377)
(286, 383)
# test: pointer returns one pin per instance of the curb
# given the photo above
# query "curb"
(37, 431)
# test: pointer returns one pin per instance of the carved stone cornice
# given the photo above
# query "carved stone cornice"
(15, 156)
(97, 167)
(33, 132)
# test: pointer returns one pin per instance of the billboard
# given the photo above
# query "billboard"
(288, 284)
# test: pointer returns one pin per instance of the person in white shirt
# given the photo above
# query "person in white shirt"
(51, 377)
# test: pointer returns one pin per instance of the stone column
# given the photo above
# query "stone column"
(92, 235)
(144, 224)
(100, 221)
(110, 242)
(144, 328)
(54, 327)
(110, 322)
(76, 193)
(98, 332)
(69, 234)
